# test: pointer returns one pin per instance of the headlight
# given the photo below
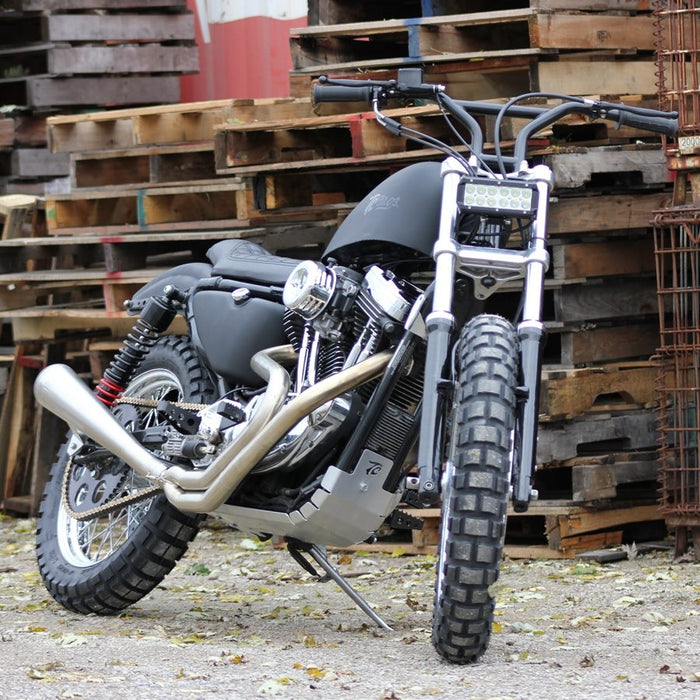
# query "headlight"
(497, 196)
(309, 289)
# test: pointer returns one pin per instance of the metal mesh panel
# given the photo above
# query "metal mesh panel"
(679, 392)
(678, 60)
(677, 251)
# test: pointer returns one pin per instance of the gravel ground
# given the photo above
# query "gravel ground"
(237, 618)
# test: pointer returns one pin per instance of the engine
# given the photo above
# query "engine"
(336, 317)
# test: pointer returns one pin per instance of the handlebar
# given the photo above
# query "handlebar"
(409, 85)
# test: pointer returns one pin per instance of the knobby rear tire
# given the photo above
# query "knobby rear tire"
(475, 488)
(105, 564)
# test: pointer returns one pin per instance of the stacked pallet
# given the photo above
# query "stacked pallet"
(529, 45)
(597, 431)
(152, 186)
(71, 55)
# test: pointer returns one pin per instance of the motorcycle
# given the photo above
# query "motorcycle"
(311, 399)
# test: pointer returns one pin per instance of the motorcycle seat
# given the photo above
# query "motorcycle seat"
(249, 262)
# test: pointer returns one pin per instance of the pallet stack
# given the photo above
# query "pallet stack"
(587, 46)
(73, 55)
(151, 186)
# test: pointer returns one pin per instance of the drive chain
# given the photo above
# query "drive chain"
(131, 498)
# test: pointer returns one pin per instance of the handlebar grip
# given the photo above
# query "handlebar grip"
(660, 125)
(342, 93)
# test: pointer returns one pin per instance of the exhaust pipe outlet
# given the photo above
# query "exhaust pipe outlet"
(59, 389)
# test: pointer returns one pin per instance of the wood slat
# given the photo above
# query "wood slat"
(147, 58)
(564, 395)
(119, 27)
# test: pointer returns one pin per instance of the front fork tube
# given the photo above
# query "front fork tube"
(532, 336)
(439, 326)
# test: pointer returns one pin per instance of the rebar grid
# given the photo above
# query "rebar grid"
(679, 399)
(677, 254)
(678, 61)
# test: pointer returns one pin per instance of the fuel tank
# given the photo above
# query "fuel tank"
(398, 218)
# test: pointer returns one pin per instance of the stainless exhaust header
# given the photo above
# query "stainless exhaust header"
(62, 392)
(59, 389)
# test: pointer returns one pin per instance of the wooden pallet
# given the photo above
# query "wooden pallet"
(46, 92)
(504, 73)
(336, 11)
(596, 434)
(466, 34)
(591, 344)
(570, 393)
(146, 166)
(201, 201)
(550, 528)
(73, 5)
(166, 124)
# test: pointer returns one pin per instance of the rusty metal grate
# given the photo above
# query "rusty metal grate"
(677, 253)
(679, 401)
(678, 60)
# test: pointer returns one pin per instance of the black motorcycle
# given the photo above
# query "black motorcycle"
(311, 399)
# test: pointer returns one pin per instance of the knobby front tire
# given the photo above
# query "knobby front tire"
(475, 487)
(109, 562)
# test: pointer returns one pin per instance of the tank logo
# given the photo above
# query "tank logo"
(381, 201)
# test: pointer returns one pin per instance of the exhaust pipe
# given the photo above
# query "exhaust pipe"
(61, 391)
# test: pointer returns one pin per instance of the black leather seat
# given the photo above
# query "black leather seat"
(249, 262)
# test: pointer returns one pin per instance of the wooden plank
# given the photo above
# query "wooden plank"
(119, 27)
(7, 132)
(337, 11)
(15, 208)
(634, 76)
(97, 208)
(606, 299)
(614, 257)
(57, 92)
(90, 135)
(573, 525)
(43, 323)
(559, 30)
(574, 170)
(598, 213)
(575, 392)
(600, 481)
(605, 344)
(139, 167)
(58, 5)
(18, 428)
(595, 434)
(165, 124)
(148, 58)
(39, 163)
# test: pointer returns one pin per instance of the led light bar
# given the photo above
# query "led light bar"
(497, 196)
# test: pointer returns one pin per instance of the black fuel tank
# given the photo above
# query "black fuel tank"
(397, 217)
(228, 334)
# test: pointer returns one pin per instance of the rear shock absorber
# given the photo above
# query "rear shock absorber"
(154, 320)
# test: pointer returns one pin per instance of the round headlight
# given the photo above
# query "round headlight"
(309, 289)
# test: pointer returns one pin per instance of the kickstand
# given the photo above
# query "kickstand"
(318, 554)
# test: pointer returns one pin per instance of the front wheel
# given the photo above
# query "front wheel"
(475, 487)
(104, 563)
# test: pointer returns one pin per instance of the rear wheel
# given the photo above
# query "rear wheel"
(107, 562)
(475, 488)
